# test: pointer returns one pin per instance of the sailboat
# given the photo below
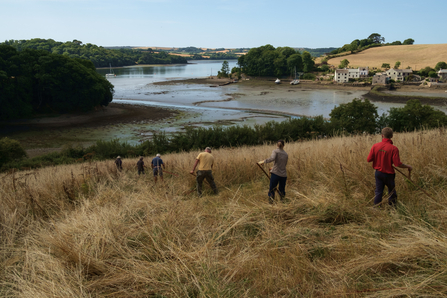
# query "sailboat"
(295, 81)
(110, 74)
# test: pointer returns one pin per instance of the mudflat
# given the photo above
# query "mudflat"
(112, 114)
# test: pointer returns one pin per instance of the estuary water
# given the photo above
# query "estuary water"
(224, 105)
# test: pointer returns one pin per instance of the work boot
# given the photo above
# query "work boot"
(283, 200)
(271, 200)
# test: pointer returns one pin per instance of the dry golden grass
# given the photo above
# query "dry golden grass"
(416, 56)
(88, 231)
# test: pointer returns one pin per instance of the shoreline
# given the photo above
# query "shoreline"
(114, 113)
(267, 85)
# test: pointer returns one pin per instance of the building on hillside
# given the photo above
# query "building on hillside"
(380, 79)
(442, 73)
(364, 72)
(343, 75)
(399, 74)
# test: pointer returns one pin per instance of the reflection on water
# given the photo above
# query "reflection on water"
(194, 69)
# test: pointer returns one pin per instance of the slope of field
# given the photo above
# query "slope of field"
(415, 56)
(87, 230)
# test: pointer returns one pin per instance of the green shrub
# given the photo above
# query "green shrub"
(414, 115)
(10, 150)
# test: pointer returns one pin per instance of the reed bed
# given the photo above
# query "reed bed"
(87, 230)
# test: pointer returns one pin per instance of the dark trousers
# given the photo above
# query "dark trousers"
(274, 181)
(202, 175)
(382, 180)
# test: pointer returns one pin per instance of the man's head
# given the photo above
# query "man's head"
(387, 132)
(208, 149)
(141, 157)
(280, 144)
(158, 155)
(119, 156)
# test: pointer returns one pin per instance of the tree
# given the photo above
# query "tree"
(397, 64)
(224, 71)
(355, 44)
(386, 65)
(425, 71)
(295, 62)
(376, 38)
(414, 115)
(408, 41)
(355, 117)
(308, 62)
(440, 65)
(433, 74)
(344, 63)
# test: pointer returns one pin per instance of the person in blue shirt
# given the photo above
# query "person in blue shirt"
(157, 163)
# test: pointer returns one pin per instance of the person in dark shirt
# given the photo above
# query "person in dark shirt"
(156, 164)
(141, 166)
(383, 155)
(119, 163)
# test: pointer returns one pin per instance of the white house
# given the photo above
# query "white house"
(399, 74)
(364, 72)
(343, 75)
(442, 73)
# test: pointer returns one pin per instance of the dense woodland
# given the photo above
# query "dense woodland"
(270, 61)
(99, 56)
(37, 81)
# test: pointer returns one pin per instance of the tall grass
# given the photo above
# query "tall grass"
(87, 230)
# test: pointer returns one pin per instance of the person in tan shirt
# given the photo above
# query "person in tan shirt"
(205, 161)
(279, 173)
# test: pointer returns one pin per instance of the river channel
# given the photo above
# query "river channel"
(228, 105)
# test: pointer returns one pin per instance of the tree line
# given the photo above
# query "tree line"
(270, 61)
(99, 56)
(37, 81)
(356, 117)
(373, 40)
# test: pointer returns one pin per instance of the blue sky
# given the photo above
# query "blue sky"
(222, 23)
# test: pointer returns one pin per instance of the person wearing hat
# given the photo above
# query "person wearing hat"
(156, 164)
(278, 172)
(140, 166)
(205, 161)
(119, 163)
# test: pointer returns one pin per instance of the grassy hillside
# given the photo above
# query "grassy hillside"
(415, 56)
(87, 231)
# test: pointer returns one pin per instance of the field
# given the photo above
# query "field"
(415, 56)
(86, 230)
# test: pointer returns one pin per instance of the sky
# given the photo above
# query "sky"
(222, 23)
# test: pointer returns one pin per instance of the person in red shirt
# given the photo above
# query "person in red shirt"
(383, 155)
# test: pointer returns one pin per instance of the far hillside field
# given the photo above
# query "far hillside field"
(415, 56)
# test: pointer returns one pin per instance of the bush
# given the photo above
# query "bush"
(308, 76)
(10, 150)
(414, 115)
(355, 117)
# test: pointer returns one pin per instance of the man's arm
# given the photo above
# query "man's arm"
(404, 166)
(195, 165)
(370, 157)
